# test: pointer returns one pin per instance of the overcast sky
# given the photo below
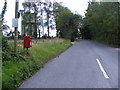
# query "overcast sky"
(78, 6)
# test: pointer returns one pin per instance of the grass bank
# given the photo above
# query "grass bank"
(15, 72)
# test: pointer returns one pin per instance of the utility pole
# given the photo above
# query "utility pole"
(16, 28)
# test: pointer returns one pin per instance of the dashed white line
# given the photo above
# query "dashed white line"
(102, 69)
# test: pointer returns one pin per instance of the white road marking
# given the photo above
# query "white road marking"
(102, 69)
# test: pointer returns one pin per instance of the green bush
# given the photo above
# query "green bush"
(5, 46)
(8, 52)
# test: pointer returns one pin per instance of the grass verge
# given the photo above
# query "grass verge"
(15, 72)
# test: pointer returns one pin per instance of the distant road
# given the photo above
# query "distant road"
(84, 65)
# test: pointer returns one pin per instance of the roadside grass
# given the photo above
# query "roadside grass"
(15, 72)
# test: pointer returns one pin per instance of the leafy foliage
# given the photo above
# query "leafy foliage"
(3, 11)
(8, 53)
(43, 16)
(101, 22)
(67, 23)
(30, 21)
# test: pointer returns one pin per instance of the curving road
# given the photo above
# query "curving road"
(84, 65)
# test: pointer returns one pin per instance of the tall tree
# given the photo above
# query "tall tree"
(4, 41)
(30, 19)
(3, 26)
(57, 9)
(48, 9)
(39, 9)
(4, 10)
(102, 21)
(67, 23)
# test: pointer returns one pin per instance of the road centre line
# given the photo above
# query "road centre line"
(102, 69)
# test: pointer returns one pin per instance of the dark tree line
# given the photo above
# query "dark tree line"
(101, 22)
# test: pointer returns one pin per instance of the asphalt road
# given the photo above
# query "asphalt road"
(84, 65)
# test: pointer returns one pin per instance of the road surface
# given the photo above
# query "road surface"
(86, 64)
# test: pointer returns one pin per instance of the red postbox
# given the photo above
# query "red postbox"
(27, 41)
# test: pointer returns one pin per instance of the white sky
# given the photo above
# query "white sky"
(76, 5)
(79, 6)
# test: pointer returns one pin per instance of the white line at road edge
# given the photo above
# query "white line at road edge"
(102, 69)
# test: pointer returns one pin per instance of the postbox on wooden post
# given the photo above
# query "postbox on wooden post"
(27, 42)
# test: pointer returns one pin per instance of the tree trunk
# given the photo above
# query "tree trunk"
(39, 33)
(48, 24)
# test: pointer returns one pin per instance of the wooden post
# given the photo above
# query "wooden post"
(16, 28)
(27, 50)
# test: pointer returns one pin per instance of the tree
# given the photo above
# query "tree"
(67, 23)
(102, 22)
(30, 19)
(57, 9)
(40, 18)
(2, 25)
(5, 47)
(4, 10)
(48, 7)
(37, 8)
